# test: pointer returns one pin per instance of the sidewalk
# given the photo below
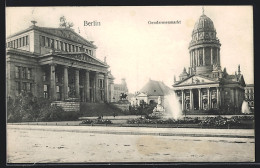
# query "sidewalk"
(192, 132)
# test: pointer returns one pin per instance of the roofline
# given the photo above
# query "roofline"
(38, 28)
(20, 32)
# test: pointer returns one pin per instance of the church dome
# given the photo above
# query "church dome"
(204, 32)
(204, 23)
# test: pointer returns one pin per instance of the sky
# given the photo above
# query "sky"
(138, 51)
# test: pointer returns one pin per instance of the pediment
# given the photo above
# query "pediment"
(66, 33)
(195, 80)
(83, 57)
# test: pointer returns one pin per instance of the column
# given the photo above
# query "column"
(65, 83)
(191, 99)
(106, 87)
(208, 89)
(219, 56)
(77, 82)
(211, 55)
(182, 100)
(217, 97)
(86, 88)
(199, 91)
(193, 59)
(237, 98)
(96, 88)
(204, 57)
(190, 59)
(220, 97)
(52, 82)
(197, 57)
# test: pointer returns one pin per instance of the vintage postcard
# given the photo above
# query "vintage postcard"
(130, 84)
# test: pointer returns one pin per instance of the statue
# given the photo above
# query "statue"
(159, 100)
(123, 96)
(159, 109)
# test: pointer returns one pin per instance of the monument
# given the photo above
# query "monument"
(159, 109)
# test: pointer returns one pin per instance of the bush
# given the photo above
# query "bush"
(26, 107)
(219, 121)
(167, 121)
(97, 121)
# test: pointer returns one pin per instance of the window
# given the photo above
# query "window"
(73, 48)
(23, 39)
(28, 87)
(19, 43)
(45, 91)
(77, 48)
(17, 72)
(17, 88)
(56, 78)
(23, 72)
(90, 52)
(86, 50)
(57, 45)
(58, 92)
(24, 86)
(66, 47)
(11, 44)
(51, 43)
(48, 42)
(27, 40)
(29, 73)
(61, 46)
(57, 89)
(69, 47)
(16, 43)
(42, 41)
(44, 76)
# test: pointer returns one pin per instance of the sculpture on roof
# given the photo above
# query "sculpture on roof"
(64, 23)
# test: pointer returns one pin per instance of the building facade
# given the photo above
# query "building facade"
(56, 63)
(150, 93)
(249, 96)
(205, 85)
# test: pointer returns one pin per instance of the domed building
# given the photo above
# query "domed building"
(206, 86)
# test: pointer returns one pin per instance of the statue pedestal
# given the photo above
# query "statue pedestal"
(158, 110)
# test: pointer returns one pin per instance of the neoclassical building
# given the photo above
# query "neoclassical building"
(249, 95)
(56, 63)
(205, 85)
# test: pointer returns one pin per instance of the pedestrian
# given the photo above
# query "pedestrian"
(114, 114)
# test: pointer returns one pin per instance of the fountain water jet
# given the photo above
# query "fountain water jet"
(245, 108)
(173, 107)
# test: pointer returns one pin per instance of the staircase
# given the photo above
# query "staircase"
(98, 109)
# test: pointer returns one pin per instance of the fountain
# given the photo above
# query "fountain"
(172, 108)
(245, 108)
(159, 109)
